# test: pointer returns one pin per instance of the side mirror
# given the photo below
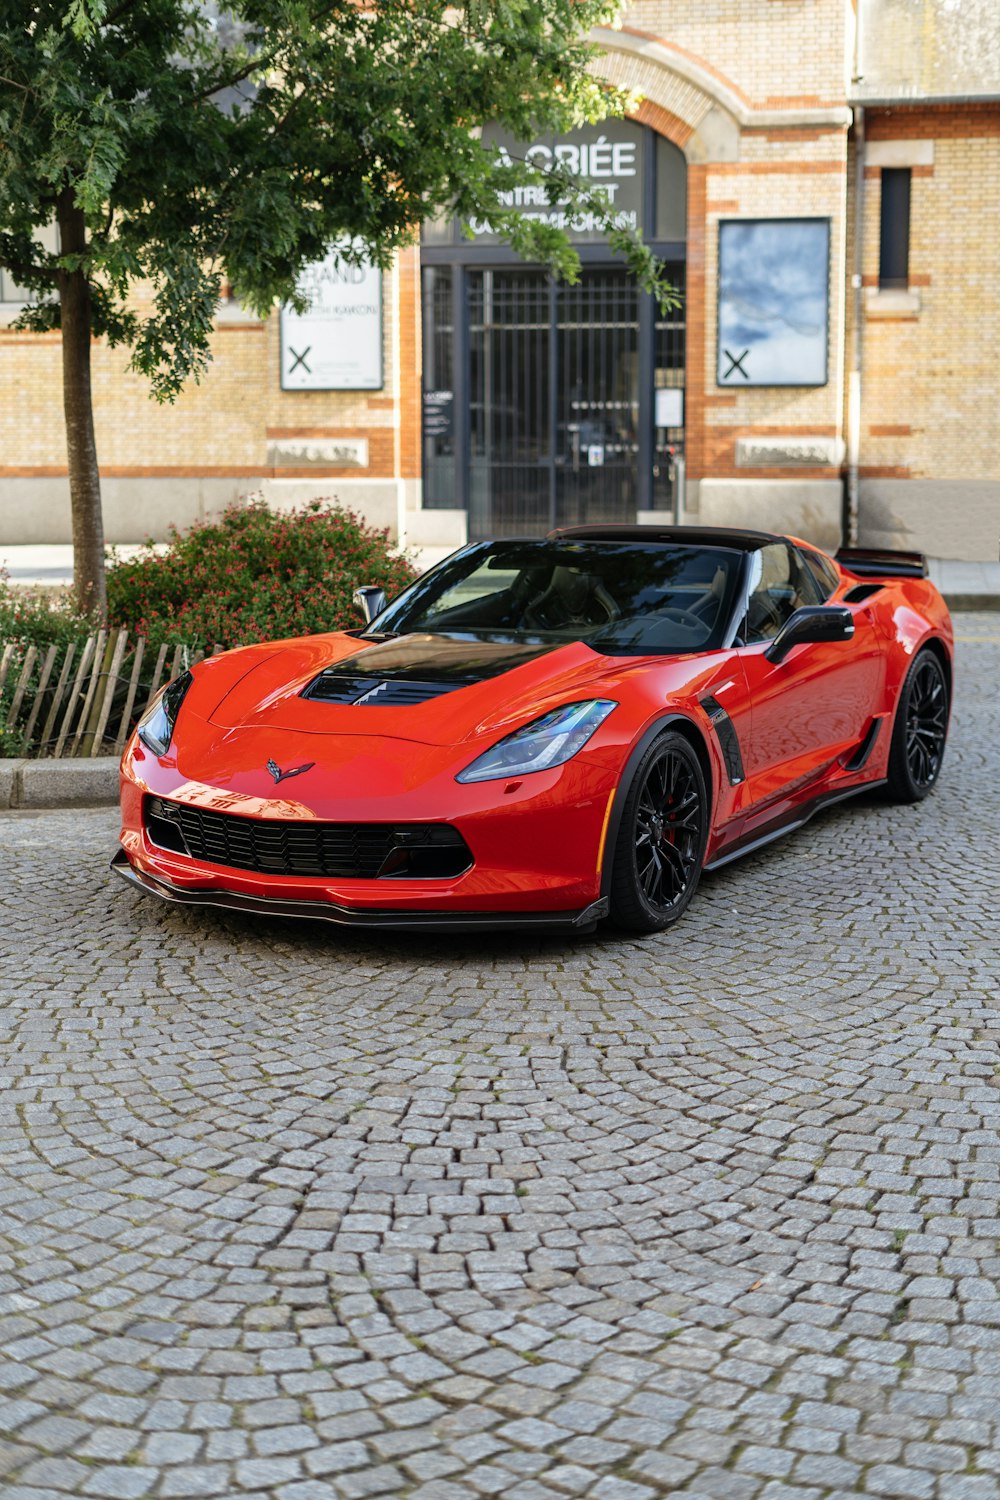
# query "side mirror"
(811, 623)
(371, 602)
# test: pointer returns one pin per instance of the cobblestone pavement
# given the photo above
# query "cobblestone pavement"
(291, 1213)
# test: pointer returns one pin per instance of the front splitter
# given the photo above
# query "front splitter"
(583, 921)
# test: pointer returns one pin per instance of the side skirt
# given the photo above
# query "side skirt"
(786, 823)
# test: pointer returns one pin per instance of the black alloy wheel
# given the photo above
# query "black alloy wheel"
(661, 842)
(920, 730)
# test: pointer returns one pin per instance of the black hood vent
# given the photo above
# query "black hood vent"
(412, 669)
(377, 692)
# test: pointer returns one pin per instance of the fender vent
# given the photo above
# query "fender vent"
(377, 692)
(861, 755)
(728, 740)
(862, 591)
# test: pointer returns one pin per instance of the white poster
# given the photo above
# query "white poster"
(669, 407)
(337, 344)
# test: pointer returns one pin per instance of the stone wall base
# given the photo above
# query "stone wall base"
(36, 510)
(808, 508)
(950, 518)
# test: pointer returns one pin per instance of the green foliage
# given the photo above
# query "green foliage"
(203, 144)
(253, 575)
(11, 740)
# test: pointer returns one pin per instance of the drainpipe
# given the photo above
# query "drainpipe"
(854, 378)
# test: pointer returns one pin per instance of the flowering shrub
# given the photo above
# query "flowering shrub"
(254, 575)
(33, 617)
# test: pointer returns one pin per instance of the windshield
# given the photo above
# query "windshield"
(622, 598)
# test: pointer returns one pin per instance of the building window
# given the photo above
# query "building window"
(10, 291)
(894, 250)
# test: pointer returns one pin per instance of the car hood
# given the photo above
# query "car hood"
(431, 689)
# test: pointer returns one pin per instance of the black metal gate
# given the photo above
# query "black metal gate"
(554, 400)
(554, 380)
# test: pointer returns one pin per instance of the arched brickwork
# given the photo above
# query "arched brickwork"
(691, 117)
(681, 96)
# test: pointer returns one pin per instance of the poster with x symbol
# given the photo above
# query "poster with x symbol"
(336, 345)
(773, 302)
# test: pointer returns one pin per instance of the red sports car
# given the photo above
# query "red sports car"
(542, 732)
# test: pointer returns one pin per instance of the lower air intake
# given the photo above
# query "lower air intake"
(343, 851)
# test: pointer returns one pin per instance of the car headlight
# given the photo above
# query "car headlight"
(546, 742)
(156, 727)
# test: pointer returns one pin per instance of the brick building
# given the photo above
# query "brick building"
(926, 102)
(825, 186)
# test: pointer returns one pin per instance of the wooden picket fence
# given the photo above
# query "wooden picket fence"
(84, 698)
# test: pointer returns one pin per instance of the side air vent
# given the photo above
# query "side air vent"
(377, 692)
(859, 759)
(728, 740)
(862, 591)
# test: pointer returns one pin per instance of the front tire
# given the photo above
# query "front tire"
(660, 848)
(919, 731)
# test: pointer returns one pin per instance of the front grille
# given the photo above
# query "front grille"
(345, 851)
(378, 692)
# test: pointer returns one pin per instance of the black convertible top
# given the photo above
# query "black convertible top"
(691, 536)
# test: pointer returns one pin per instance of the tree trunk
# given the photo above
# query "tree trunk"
(81, 446)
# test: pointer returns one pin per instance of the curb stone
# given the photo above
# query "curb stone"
(960, 604)
(59, 783)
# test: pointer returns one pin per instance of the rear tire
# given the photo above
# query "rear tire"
(919, 730)
(660, 848)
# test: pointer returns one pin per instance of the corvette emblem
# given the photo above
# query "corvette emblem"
(280, 775)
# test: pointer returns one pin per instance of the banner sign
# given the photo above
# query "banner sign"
(606, 157)
(337, 344)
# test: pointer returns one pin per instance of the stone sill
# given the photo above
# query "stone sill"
(792, 452)
(234, 312)
(888, 304)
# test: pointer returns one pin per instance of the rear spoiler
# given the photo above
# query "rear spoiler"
(882, 562)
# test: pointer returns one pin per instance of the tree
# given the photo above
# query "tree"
(177, 145)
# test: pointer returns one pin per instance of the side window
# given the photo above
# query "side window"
(781, 586)
(823, 572)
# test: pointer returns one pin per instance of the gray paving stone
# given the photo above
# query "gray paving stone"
(120, 1483)
(194, 1479)
(893, 1479)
